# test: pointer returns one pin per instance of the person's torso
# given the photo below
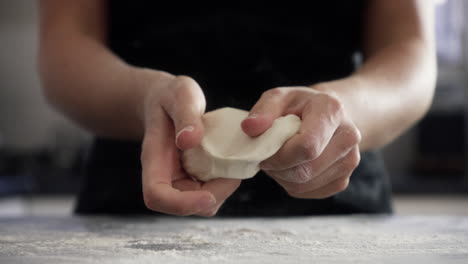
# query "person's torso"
(234, 54)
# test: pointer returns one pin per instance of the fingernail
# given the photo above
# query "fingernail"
(252, 116)
(187, 128)
(207, 203)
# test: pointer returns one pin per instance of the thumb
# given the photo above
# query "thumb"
(271, 105)
(185, 106)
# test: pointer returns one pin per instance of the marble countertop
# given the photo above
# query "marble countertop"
(345, 239)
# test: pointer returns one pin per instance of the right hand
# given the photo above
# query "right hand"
(172, 121)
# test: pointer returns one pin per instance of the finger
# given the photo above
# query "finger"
(330, 189)
(320, 119)
(345, 138)
(168, 200)
(221, 189)
(160, 163)
(270, 106)
(185, 106)
(342, 168)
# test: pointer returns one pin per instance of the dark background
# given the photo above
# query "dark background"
(41, 151)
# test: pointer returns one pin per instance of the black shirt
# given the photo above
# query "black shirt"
(235, 54)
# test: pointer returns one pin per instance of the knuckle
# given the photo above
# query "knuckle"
(183, 81)
(351, 137)
(187, 89)
(334, 105)
(182, 85)
(309, 150)
(354, 136)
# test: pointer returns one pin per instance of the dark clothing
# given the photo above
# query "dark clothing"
(235, 54)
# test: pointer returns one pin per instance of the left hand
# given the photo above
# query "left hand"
(318, 161)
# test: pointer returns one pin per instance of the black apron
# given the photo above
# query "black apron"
(234, 54)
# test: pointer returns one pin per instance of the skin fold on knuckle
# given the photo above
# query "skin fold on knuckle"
(296, 175)
(301, 173)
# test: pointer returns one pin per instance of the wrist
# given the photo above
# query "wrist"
(342, 88)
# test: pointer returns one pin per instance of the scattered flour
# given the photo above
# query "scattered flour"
(175, 240)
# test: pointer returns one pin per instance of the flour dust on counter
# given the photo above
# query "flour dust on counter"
(258, 240)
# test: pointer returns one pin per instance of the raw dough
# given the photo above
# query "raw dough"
(227, 152)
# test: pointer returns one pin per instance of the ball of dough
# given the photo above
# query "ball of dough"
(227, 152)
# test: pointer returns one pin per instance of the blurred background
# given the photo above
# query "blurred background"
(41, 151)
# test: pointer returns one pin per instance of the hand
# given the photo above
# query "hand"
(318, 161)
(172, 117)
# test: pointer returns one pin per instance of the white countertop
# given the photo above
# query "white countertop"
(347, 239)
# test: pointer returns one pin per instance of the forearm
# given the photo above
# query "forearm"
(390, 92)
(82, 77)
(394, 87)
(94, 87)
